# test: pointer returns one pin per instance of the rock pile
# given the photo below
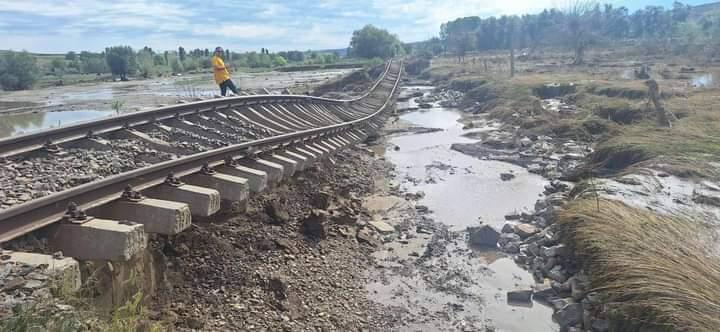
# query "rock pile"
(445, 98)
(535, 245)
(543, 155)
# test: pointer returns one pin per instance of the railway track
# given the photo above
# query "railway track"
(255, 141)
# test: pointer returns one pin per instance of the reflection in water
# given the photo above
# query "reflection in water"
(16, 124)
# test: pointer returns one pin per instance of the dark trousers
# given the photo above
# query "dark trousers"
(228, 84)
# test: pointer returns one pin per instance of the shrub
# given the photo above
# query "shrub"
(18, 71)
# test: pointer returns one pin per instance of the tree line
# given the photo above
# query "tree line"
(21, 70)
(581, 24)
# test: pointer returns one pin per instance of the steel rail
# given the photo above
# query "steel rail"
(32, 215)
(33, 141)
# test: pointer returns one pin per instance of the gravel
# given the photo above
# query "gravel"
(23, 179)
(258, 273)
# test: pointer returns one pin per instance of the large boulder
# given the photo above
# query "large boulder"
(484, 236)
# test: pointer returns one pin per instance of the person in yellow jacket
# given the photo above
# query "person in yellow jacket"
(222, 75)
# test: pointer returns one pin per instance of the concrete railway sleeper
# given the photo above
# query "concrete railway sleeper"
(111, 149)
(109, 218)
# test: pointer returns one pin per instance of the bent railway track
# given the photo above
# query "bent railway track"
(169, 143)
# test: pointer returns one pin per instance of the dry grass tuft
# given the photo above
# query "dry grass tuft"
(652, 269)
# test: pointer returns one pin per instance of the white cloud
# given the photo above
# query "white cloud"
(420, 19)
(240, 31)
(241, 25)
(270, 10)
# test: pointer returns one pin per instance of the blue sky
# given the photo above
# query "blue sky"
(61, 26)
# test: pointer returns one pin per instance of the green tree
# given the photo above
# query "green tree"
(71, 56)
(279, 61)
(145, 63)
(58, 67)
(18, 71)
(120, 59)
(370, 42)
(94, 66)
(176, 66)
(159, 60)
(191, 64)
(181, 53)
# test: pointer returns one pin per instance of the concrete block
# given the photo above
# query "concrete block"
(327, 149)
(99, 239)
(349, 139)
(312, 157)
(274, 171)
(353, 135)
(289, 165)
(257, 179)
(320, 153)
(301, 160)
(234, 191)
(332, 144)
(66, 270)
(158, 216)
(340, 139)
(203, 202)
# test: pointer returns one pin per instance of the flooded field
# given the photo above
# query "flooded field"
(47, 108)
(16, 124)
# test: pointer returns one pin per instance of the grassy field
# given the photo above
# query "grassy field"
(611, 112)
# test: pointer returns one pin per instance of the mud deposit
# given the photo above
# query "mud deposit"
(426, 278)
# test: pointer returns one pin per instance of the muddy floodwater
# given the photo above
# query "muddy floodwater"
(16, 124)
(464, 288)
